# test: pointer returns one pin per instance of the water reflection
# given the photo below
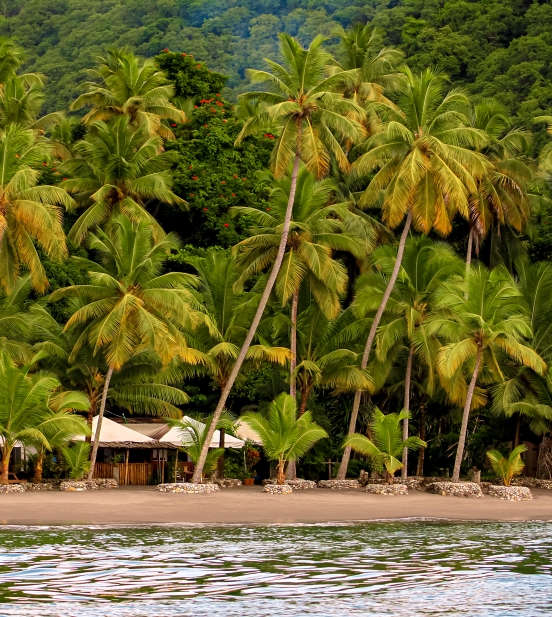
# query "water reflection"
(379, 569)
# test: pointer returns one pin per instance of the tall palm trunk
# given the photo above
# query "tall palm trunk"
(196, 479)
(6, 453)
(470, 250)
(291, 471)
(342, 472)
(96, 443)
(421, 434)
(220, 462)
(466, 417)
(90, 415)
(407, 379)
(37, 479)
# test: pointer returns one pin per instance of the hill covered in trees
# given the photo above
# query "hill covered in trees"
(496, 48)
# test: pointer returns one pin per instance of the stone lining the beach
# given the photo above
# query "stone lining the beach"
(278, 489)
(511, 493)
(387, 489)
(547, 484)
(228, 482)
(298, 483)
(187, 487)
(105, 483)
(11, 488)
(72, 485)
(455, 489)
(38, 486)
(339, 484)
(531, 482)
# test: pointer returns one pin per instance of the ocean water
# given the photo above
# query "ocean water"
(389, 568)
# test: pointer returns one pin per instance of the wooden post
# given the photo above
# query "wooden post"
(163, 467)
(126, 468)
(175, 466)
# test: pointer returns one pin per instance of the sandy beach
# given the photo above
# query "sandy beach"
(249, 505)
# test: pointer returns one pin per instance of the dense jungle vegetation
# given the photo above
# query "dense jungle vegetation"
(361, 221)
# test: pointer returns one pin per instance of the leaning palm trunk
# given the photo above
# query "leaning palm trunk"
(407, 380)
(37, 479)
(99, 425)
(465, 418)
(342, 472)
(196, 479)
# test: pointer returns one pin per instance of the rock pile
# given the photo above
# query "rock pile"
(278, 489)
(71, 485)
(187, 487)
(455, 489)
(298, 483)
(339, 484)
(105, 483)
(387, 489)
(511, 493)
(228, 482)
(11, 488)
(38, 486)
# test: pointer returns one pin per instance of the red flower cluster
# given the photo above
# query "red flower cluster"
(166, 51)
(269, 135)
(226, 225)
(173, 125)
(184, 55)
(223, 181)
(194, 177)
(205, 209)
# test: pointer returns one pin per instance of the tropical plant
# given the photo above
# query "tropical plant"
(425, 267)
(482, 320)
(128, 86)
(11, 58)
(386, 445)
(116, 171)
(131, 305)
(507, 468)
(303, 102)
(30, 214)
(77, 459)
(425, 172)
(285, 437)
(27, 410)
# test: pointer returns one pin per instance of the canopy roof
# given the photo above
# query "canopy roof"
(175, 436)
(115, 435)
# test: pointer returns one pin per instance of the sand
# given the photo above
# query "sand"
(249, 505)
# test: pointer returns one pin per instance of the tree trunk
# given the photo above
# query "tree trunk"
(281, 477)
(518, 431)
(422, 434)
(304, 401)
(6, 453)
(466, 417)
(407, 379)
(220, 462)
(469, 258)
(196, 479)
(90, 417)
(293, 344)
(99, 425)
(371, 336)
(37, 479)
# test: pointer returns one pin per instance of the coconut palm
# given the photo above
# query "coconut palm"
(116, 169)
(28, 409)
(11, 58)
(317, 230)
(77, 459)
(285, 437)
(507, 467)
(130, 305)
(386, 445)
(30, 215)
(302, 101)
(426, 172)
(483, 319)
(426, 265)
(129, 86)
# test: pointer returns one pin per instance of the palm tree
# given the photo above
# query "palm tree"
(425, 266)
(116, 169)
(30, 215)
(317, 229)
(285, 437)
(26, 410)
(483, 319)
(130, 305)
(425, 172)
(11, 58)
(509, 467)
(128, 86)
(386, 446)
(77, 459)
(303, 103)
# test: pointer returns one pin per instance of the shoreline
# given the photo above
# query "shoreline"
(145, 506)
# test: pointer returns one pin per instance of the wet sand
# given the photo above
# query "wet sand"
(249, 505)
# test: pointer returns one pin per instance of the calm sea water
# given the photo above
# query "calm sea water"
(391, 569)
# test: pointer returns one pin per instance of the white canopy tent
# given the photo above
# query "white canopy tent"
(175, 435)
(113, 433)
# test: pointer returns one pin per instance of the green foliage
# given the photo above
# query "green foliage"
(507, 467)
(77, 459)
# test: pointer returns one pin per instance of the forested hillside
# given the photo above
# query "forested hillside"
(498, 48)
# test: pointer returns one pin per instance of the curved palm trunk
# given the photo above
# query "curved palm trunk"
(371, 336)
(196, 479)
(422, 433)
(291, 471)
(96, 443)
(407, 380)
(37, 479)
(6, 453)
(466, 417)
